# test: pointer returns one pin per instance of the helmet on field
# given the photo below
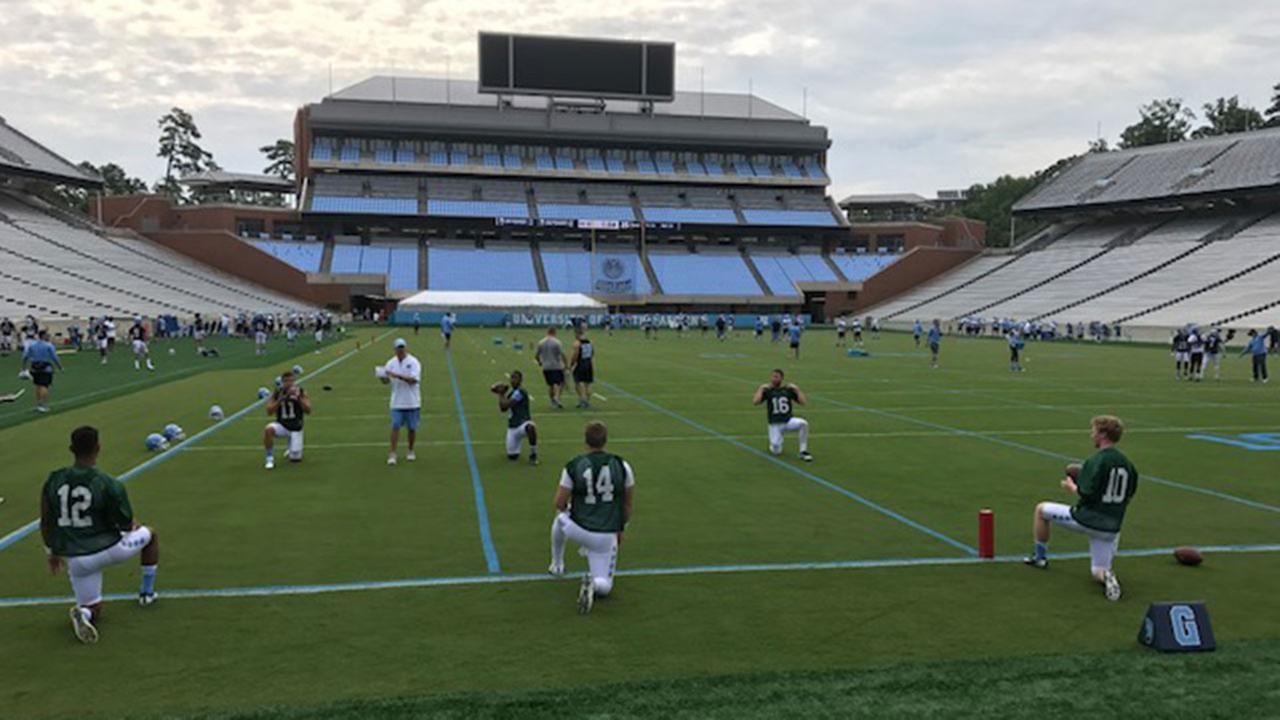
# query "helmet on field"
(215, 412)
(156, 442)
(173, 431)
(279, 381)
(297, 369)
(263, 393)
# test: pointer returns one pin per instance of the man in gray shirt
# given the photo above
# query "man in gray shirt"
(550, 355)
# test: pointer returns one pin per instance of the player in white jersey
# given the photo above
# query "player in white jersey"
(841, 329)
(138, 338)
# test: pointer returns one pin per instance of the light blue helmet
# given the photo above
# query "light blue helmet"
(174, 431)
(156, 442)
(279, 381)
(263, 393)
(215, 412)
(297, 369)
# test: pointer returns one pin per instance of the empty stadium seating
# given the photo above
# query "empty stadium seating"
(364, 205)
(860, 267)
(466, 267)
(706, 273)
(72, 271)
(782, 270)
(303, 255)
(568, 268)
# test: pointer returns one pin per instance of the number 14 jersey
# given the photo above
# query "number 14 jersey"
(598, 482)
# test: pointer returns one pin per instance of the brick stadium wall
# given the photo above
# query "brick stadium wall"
(917, 266)
(225, 251)
(151, 213)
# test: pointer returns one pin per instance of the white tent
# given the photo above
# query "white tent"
(459, 301)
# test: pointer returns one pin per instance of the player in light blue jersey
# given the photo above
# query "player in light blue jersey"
(935, 340)
(446, 329)
(793, 336)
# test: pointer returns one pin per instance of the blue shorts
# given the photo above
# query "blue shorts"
(405, 418)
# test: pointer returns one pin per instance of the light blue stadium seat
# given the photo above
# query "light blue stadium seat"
(304, 256)
(403, 273)
(781, 272)
(695, 168)
(477, 208)
(492, 160)
(714, 168)
(807, 218)
(383, 156)
(744, 168)
(511, 160)
(762, 170)
(350, 154)
(860, 267)
(346, 259)
(459, 158)
(406, 157)
(375, 259)
(790, 170)
(322, 153)
(570, 270)
(596, 164)
(559, 211)
(645, 165)
(563, 162)
(615, 165)
(708, 216)
(544, 162)
(438, 157)
(703, 274)
(665, 167)
(815, 172)
(450, 268)
(364, 205)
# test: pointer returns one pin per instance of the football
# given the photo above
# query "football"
(498, 388)
(1188, 556)
(1073, 470)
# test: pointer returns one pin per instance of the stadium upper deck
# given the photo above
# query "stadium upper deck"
(440, 158)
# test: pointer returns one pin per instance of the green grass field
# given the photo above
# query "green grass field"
(749, 586)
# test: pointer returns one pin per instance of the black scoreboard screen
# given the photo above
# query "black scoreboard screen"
(579, 67)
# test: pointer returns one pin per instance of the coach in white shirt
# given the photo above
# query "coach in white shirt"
(404, 372)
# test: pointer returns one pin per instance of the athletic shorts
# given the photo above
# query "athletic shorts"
(515, 435)
(933, 347)
(85, 571)
(295, 439)
(553, 377)
(1102, 545)
(840, 333)
(42, 378)
(600, 548)
(405, 418)
(1182, 357)
(260, 338)
(584, 373)
(139, 347)
(795, 345)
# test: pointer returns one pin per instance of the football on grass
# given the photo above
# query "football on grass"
(1073, 471)
(498, 388)
(1188, 556)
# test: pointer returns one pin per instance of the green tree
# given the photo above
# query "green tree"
(1273, 113)
(279, 159)
(181, 151)
(993, 202)
(115, 180)
(1225, 116)
(1162, 121)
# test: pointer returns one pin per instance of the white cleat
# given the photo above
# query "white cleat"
(84, 629)
(410, 456)
(271, 463)
(586, 595)
(1111, 586)
(391, 459)
(556, 569)
(146, 599)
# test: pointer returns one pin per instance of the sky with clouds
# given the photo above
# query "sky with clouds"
(919, 95)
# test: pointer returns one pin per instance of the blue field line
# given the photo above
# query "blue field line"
(803, 473)
(1047, 453)
(477, 488)
(510, 578)
(137, 470)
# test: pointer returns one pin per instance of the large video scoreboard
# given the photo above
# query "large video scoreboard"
(577, 67)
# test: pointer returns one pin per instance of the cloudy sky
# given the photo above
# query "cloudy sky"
(919, 95)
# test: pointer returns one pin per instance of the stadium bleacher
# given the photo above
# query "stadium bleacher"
(710, 272)
(568, 267)
(303, 255)
(466, 267)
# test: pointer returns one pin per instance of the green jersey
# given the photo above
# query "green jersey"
(778, 402)
(86, 511)
(1107, 483)
(289, 411)
(598, 482)
(518, 409)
